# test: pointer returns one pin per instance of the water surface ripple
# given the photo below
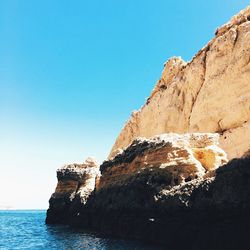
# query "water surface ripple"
(25, 229)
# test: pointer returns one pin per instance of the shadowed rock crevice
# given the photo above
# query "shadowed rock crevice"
(204, 61)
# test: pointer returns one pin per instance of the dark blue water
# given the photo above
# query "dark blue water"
(27, 230)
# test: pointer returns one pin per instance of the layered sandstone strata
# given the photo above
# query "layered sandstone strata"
(173, 158)
(211, 93)
(75, 181)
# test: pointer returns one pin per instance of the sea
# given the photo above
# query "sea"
(26, 229)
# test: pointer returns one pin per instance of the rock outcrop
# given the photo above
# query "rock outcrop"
(75, 183)
(163, 189)
(176, 189)
(203, 213)
(211, 93)
(172, 158)
(166, 160)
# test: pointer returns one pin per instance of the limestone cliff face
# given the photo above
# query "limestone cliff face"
(211, 93)
(176, 189)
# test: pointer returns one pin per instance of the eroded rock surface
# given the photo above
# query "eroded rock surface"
(173, 158)
(75, 182)
(211, 93)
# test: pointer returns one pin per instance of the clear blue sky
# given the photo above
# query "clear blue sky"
(71, 72)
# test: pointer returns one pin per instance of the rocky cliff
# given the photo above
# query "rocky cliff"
(211, 93)
(177, 189)
(170, 189)
(203, 213)
(75, 184)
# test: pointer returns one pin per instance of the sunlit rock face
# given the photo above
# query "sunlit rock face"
(211, 93)
(171, 158)
(75, 181)
(177, 188)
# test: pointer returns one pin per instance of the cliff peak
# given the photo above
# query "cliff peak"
(211, 93)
